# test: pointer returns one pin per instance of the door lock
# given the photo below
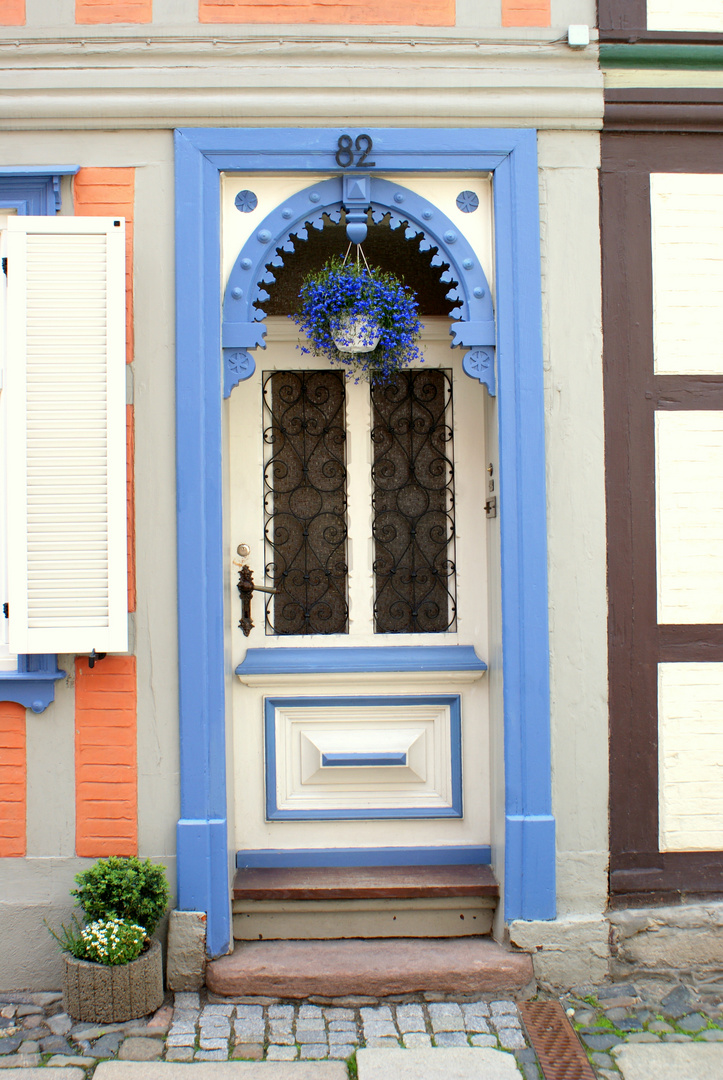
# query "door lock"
(246, 590)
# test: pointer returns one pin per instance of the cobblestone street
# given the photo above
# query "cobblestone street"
(34, 1030)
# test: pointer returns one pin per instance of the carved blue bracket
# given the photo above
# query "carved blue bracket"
(33, 684)
(33, 189)
(480, 364)
(243, 329)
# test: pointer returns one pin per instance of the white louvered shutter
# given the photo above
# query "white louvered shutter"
(66, 481)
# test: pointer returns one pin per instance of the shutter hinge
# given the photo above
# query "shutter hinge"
(491, 507)
(6, 610)
(5, 265)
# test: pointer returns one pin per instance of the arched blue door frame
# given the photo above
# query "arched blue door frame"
(201, 155)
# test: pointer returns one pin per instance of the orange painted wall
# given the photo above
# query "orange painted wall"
(526, 12)
(102, 193)
(106, 774)
(13, 779)
(12, 12)
(361, 12)
(113, 11)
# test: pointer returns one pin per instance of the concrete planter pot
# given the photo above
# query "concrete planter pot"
(111, 995)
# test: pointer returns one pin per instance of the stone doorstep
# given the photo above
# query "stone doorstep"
(334, 968)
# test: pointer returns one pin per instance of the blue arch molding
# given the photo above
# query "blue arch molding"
(202, 154)
(243, 327)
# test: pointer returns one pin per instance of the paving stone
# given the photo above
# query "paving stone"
(255, 1012)
(8, 1011)
(89, 1032)
(189, 1016)
(29, 1046)
(181, 1027)
(342, 1051)
(187, 999)
(600, 1042)
(616, 990)
(249, 1030)
(310, 1012)
(483, 1040)
(248, 1052)
(161, 1017)
(211, 1055)
(313, 1051)
(382, 1041)
(342, 1025)
(584, 1016)
(56, 1044)
(631, 1024)
(660, 1026)
(140, 1050)
(339, 1014)
(28, 1010)
(679, 998)
(383, 1012)
(62, 1061)
(338, 1037)
(21, 1061)
(499, 1007)
(281, 1053)
(450, 1038)
(213, 1044)
(107, 1045)
(699, 1060)
(712, 1035)
(506, 1020)
(60, 1024)
(461, 1063)
(410, 1018)
(446, 1016)
(282, 1012)
(477, 1025)
(603, 1061)
(179, 1053)
(677, 1037)
(377, 1029)
(693, 1023)
(417, 1040)
(9, 1044)
(222, 1010)
(511, 1038)
(282, 1038)
(643, 1037)
(476, 1008)
(182, 1040)
(310, 1038)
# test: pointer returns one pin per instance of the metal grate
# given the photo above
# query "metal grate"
(558, 1049)
(413, 503)
(305, 501)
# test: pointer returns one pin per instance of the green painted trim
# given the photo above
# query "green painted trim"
(661, 56)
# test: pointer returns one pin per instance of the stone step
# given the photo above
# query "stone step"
(375, 967)
(363, 882)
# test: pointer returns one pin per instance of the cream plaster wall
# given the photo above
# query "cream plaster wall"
(576, 515)
(703, 15)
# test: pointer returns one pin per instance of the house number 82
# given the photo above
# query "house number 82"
(344, 156)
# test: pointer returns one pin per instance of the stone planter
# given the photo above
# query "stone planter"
(111, 995)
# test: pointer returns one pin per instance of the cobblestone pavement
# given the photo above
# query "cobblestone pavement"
(34, 1030)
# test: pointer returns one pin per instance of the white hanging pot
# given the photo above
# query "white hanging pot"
(356, 335)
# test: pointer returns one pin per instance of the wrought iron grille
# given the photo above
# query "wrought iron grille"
(413, 504)
(305, 501)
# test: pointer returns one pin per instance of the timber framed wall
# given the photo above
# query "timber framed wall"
(634, 396)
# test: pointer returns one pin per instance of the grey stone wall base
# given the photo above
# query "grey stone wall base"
(111, 995)
(649, 946)
(186, 962)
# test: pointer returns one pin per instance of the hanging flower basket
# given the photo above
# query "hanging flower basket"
(361, 318)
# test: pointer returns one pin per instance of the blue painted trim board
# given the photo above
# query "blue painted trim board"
(318, 660)
(201, 154)
(273, 813)
(462, 855)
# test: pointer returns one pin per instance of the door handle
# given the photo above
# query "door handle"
(246, 590)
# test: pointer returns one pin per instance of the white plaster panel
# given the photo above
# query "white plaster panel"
(688, 15)
(687, 246)
(690, 756)
(689, 504)
(237, 227)
(304, 734)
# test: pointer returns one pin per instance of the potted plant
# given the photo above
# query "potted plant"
(360, 317)
(113, 970)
